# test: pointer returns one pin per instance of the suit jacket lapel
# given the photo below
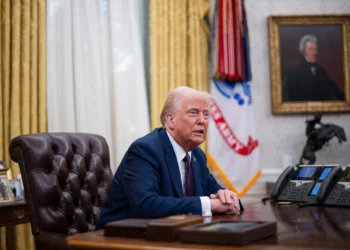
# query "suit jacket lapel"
(198, 190)
(171, 161)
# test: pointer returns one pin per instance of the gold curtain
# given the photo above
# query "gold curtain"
(23, 89)
(179, 49)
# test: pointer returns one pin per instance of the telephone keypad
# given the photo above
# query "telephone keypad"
(343, 197)
(294, 193)
(340, 195)
(303, 193)
(297, 193)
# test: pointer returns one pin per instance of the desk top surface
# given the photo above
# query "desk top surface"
(20, 202)
(306, 227)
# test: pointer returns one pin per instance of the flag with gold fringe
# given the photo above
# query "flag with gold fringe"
(233, 148)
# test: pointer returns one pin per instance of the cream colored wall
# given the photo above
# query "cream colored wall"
(281, 136)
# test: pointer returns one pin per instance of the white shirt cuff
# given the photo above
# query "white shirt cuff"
(206, 207)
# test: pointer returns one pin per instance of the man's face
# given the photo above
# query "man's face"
(189, 122)
(310, 52)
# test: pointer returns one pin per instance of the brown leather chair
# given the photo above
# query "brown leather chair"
(66, 178)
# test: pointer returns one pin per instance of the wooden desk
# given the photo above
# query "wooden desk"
(13, 212)
(297, 228)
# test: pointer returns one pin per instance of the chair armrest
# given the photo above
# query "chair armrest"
(52, 241)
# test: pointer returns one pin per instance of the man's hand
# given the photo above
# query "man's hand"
(229, 201)
(217, 207)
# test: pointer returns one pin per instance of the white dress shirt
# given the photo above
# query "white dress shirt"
(180, 155)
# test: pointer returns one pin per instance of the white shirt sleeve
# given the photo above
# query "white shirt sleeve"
(206, 207)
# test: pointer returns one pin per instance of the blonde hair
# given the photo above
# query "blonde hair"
(174, 98)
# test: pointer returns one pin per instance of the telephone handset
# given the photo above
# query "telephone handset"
(328, 184)
(314, 184)
(337, 192)
(295, 183)
(282, 181)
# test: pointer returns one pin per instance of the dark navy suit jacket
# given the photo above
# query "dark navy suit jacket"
(147, 183)
(302, 85)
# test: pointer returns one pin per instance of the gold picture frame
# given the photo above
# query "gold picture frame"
(3, 167)
(292, 51)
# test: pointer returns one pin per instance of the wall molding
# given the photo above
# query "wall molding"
(268, 175)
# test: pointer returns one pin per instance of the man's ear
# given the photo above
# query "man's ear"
(169, 120)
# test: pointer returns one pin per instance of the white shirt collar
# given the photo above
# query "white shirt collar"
(179, 151)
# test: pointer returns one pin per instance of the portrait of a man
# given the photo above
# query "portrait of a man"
(309, 63)
(309, 81)
(312, 63)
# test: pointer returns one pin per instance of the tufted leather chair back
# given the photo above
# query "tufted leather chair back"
(66, 177)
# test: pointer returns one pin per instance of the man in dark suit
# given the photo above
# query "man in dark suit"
(165, 173)
(309, 81)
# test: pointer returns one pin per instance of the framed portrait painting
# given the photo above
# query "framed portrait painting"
(5, 191)
(309, 63)
(16, 189)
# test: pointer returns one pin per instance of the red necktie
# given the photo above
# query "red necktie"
(189, 190)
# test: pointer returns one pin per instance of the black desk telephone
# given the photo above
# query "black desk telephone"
(314, 184)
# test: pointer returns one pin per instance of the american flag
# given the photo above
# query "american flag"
(230, 43)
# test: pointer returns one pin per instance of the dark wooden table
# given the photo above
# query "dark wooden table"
(297, 228)
(13, 212)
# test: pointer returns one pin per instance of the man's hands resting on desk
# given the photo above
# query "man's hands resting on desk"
(224, 201)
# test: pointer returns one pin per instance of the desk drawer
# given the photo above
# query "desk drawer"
(12, 215)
